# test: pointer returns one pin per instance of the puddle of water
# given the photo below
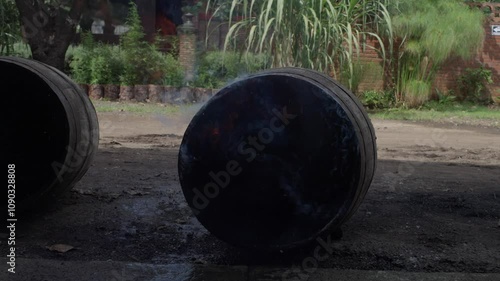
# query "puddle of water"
(142, 207)
(171, 272)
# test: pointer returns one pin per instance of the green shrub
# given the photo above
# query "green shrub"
(99, 71)
(80, 59)
(472, 85)
(151, 67)
(134, 62)
(134, 50)
(116, 64)
(95, 63)
(138, 55)
(416, 92)
(446, 98)
(173, 75)
(217, 68)
(252, 63)
(352, 77)
(106, 65)
(377, 99)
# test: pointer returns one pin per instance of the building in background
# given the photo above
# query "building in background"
(106, 19)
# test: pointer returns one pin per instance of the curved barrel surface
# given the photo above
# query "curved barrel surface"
(50, 130)
(278, 158)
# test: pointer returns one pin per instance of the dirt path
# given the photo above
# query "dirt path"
(434, 204)
(396, 140)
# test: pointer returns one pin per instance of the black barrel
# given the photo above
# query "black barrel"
(278, 158)
(50, 130)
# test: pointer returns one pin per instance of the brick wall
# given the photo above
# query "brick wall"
(373, 72)
(488, 56)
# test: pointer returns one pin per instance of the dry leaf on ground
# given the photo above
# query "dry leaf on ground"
(61, 248)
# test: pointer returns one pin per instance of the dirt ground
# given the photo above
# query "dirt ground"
(434, 205)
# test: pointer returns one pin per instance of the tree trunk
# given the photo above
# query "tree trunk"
(49, 29)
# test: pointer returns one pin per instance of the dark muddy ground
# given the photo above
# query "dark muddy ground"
(434, 206)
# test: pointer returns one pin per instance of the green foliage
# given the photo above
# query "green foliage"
(326, 35)
(353, 76)
(134, 48)
(434, 29)
(140, 108)
(106, 65)
(94, 63)
(10, 29)
(377, 99)
(461, 113)
(165, 69)
(100, 72)
(217, 68)
(482, 1)
(134, 62)
(223, 8)
(429, 32)
(20, 49)
(447, 98)
(472, 84)
(416, 93)
(80, 59)
(438, 29)
(134, 37)
(144, 64)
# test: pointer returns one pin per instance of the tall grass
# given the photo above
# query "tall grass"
(416, 92)
(428, 33)
(10, 29)
(326, 35)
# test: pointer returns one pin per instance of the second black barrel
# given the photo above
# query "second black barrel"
(278, 158)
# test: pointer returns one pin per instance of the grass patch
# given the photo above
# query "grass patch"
(436, 112)
(430, 112)
(138, 108)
